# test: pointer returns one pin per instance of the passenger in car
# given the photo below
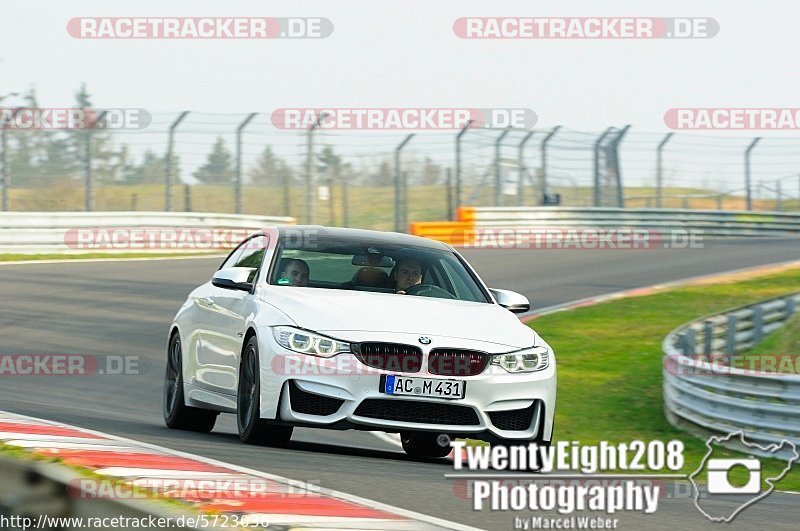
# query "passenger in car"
(296, 271)
(406, 273)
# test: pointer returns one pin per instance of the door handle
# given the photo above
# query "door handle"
(209, 300)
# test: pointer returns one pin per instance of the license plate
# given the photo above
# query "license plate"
(392, 384)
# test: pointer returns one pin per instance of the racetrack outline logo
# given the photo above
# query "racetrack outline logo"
(770, 481)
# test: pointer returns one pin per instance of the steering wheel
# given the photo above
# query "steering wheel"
(429, 290)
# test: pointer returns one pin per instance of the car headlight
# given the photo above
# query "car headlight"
(306, 342)
(526, 360)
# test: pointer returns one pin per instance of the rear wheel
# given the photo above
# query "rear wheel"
(423, 444)
(177, 414)
(252, 428)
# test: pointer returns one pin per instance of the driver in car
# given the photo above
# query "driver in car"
(407, 273)
(296, 271)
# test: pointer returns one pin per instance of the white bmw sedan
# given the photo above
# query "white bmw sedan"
(353, 329)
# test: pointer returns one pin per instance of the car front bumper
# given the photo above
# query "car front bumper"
(342, 391)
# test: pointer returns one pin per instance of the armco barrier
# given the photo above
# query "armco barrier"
(49, 232)
(709, 391)
(49, 496)
(712, 223)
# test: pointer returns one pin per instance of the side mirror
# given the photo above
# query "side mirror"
(511, 300)
(234, 278)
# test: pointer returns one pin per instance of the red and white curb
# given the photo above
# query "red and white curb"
(208, 485)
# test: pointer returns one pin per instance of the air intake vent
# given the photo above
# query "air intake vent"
(312, 404)
(419, 412)
(514, 419)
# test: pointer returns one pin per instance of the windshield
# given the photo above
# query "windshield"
(376, 267)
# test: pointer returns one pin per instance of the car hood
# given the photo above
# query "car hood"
(333, 311)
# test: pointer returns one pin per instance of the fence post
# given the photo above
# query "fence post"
(689, 342)
(749, 192)
(497, 176)
(5, 176)
(523, 170)
(239, 131)
(660, 171)
(543, 174)
(597, 143)
(89, 178)
(778, 193)
(4, 173)
(730, 340)
(399, 186)
(450, 209)
(310, 168)
(458, 161)
(790, 307)
(758, 324)
(170, 163)
(187, 198)
(287, 206)
(615, 149)
(345, 214)
(708, 338)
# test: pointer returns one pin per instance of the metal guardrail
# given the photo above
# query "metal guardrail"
(707, 391)
(50, 496)
(711, 223)
(55, 232)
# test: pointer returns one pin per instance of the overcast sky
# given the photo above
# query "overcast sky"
(386, 53)
(404, 53)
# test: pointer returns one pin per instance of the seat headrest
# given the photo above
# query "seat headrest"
(371, 277)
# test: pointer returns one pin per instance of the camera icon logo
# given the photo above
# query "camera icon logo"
(733, 484)
(719, 476)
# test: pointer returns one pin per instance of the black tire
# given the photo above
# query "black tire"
(252, 428)
(177, 415)
(423, 444)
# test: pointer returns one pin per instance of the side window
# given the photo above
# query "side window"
(233, 257)
(252, 255)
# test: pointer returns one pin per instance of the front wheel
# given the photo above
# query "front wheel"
(423, 444)
(177, 415)
(252, 428)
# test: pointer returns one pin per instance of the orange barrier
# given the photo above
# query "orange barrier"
(450, 232)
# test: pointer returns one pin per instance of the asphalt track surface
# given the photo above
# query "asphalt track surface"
(124, 308)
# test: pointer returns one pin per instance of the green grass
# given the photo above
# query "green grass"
(88, 256)
(779, 351)
(610, 362)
